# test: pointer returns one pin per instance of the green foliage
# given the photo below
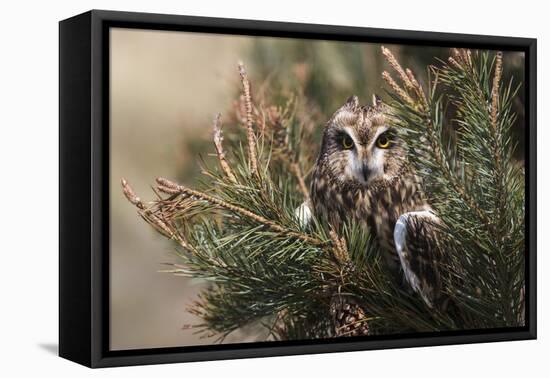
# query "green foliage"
(473, 183)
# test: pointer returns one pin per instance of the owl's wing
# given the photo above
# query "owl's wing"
(419, 253)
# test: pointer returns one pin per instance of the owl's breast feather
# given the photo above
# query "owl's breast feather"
(303, 214)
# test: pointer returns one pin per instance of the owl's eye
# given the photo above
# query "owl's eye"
(347, 142)
(383, 141)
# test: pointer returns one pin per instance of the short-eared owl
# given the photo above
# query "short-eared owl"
(362, 174)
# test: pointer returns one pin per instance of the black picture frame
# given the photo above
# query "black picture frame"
(84, 180)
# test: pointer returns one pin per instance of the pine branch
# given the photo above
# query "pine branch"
(284, 128)
(238, 229)
(421, 109)
(170, 187)
(486, 266)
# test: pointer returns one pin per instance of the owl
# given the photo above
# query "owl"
(362, 174)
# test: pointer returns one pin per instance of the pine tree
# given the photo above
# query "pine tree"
(241, 231)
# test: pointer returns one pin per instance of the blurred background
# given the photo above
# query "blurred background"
(166, 88)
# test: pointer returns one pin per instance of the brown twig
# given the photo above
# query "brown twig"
(298, 173)
(461, 57)
(396, 88)
(340, 248)
(153, 219)
(496, 133)
(390, 58)
(281, 142)
(131, 195)
(218, 142)
(453, 62)
(495, 90)
(249, 122)
(164, 183)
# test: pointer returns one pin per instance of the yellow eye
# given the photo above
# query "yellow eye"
(383, 142)
(347, 142)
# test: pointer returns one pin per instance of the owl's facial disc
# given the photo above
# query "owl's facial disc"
(359, 147)
(369, 162)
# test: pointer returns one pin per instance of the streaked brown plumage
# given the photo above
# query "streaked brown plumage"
(362, 174)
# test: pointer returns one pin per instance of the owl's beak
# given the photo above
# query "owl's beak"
(366, 171)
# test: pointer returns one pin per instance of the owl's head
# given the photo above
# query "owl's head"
(359, 147)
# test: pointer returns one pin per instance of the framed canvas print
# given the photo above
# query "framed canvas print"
(234, 188)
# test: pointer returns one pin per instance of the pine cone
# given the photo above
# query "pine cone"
(348, 317)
